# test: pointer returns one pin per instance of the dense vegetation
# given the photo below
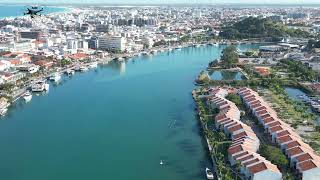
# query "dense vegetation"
(229, 57)
(259, 28)
(274, 155)
(218, 141)
(235, 99)
(298, 70)
(203, 77)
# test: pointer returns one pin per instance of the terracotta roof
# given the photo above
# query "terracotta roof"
(265, 116)
(261, 108)
(275, 129)
(219, 117)
(225, 121)
(78, 56)
(238, 148)
(274, 123)
(251, 162)
(284, 139)
(268, 119)
(262, 112)
(235, 128)
(295, 151)
(304, 157)
(261, 167)
(241, 154)
(250, 156)
(283, 133)
(230, 124)
(307, 165)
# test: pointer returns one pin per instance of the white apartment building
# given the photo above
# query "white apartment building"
(112, 43)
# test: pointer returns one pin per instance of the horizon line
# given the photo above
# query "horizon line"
(184, 3)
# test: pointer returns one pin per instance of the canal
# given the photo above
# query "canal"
(115, 122)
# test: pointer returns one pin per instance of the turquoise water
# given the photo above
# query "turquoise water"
(225, 75)
(15, 10)
(115, 122)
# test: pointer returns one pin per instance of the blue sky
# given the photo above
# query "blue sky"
(163, 1)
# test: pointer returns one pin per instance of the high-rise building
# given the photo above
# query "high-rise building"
(113, 43)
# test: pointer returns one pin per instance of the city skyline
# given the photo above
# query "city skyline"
(162, 2)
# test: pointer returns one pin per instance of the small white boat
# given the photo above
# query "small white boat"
(3, 111)
(145, 53)
(93, 65)
(161, 162)
(83, 69)
(77, 68)
(27, 96)
(55, 77)
(209, 174)
(69, 72)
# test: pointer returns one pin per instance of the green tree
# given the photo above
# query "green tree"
(274, 155)
(229, 57)
(235, 99)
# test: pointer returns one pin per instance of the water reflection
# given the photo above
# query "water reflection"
(122, 68)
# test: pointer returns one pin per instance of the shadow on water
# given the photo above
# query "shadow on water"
(187, 146)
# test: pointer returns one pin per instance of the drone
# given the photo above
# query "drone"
(33, 11)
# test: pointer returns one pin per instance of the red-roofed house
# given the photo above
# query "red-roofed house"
(263, 171)
(310, 170)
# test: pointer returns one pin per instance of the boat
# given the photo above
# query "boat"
(178, 48)
(76, 68)
(83, 69)
(69, 72)
(120, 58)
(93, 65)
(4, 104)
(27, 96)
(40, 86)
(3, 111)
(209, 174)
(145, 53)
(55, 77)
(161, 162)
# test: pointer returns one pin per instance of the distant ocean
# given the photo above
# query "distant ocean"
(17, 10)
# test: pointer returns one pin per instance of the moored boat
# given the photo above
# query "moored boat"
(93, 65)
(145, 53)
(27, 96)
(4, 104)
(55, 77)
(83, 69)
(69, 72)
(40, 86)
(209, 174)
